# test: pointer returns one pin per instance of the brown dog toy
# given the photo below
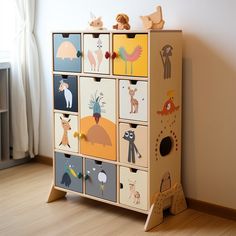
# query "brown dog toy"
(122, 22)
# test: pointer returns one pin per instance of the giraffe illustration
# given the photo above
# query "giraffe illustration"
(133, 101)
(135, 195)
(66, 126)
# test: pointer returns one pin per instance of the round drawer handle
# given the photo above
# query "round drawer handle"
(107, 55)
(79, 54)
(80, 175)
(86, 177)
(114, 55)
(79, 135)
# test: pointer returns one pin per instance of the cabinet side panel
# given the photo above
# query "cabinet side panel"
(165, 110)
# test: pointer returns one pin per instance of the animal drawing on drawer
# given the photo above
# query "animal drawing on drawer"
(67, 93)
(102, 178)
(66, 127)
(133, 101)
(130, 57)
(66, 50)
(130, 137)
(95, 57)
(96, 133)
(69, 172)
(134, 195)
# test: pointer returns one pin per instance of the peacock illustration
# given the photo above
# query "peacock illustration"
(130, 57)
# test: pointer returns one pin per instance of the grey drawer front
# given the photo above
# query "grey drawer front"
(68, 172)
(102, 180)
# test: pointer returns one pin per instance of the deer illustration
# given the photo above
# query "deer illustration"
(133, 193)
(67, 93)
(133, 101)
(66, 126)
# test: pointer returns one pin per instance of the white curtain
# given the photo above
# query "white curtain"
(25, 83)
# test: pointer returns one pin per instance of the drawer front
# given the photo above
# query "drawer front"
(65, 126)
(95, 48)
(133, 144)
(65, 93)
(67, 52)
(68, 172)
(133, 100)
(98, 117)
(132, 50)
(102, 179)
(133, 188)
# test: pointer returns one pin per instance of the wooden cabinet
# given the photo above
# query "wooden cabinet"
(117, 119)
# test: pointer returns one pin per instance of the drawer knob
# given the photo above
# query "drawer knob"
(107, 55)
(80, 175)
(79, 54)
(86, 177)
(114, 55)
(79, 135)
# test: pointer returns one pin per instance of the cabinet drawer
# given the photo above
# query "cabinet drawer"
(65, 93)
(133, 100)
(102, 179)
(132, 50)
(95, 47)
(133, 187)
(133, 144)
(67, 52)
(65, 126)
(98, 117)
(68, 172)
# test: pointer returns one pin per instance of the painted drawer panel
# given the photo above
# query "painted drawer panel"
(133, 100)
(66, 52)
(132, 52)
(102, 179)
(65, 126)
(133, 144)
(65, 93)
(98, 117)
(68, 172)
(133, 188)
(95, 47)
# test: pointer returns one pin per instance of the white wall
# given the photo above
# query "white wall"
(209, 82)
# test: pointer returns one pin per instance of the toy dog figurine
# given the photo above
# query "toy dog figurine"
(122, 22)
(154, 20)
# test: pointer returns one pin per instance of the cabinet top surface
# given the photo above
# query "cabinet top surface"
(114, 31)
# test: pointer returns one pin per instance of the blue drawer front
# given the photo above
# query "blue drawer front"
(65, 93)
(68, 172)
(67, 52)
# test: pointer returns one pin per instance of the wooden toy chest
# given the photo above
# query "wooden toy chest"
(117, 119)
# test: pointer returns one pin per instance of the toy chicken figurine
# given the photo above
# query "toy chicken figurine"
(154, 20)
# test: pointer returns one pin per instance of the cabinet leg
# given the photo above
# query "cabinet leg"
(55, 194)
(155, 216)
(178, 202)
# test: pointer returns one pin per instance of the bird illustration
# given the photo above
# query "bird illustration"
(134, 56)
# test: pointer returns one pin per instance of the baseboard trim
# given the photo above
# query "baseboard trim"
(44, 160)
(206, 207)
(212, 209)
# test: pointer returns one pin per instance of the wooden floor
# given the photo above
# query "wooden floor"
(24, 211)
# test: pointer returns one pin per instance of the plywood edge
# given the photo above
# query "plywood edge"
(212, 209)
